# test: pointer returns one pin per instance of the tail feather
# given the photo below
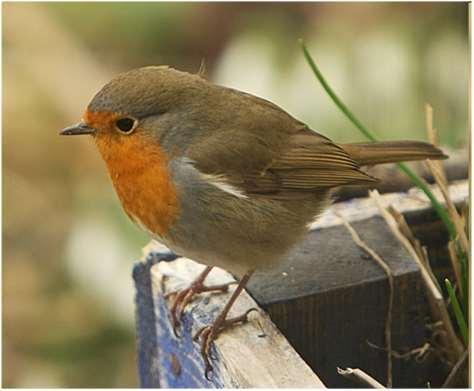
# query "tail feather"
(392, 151)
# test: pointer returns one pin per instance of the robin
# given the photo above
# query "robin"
(221, 176)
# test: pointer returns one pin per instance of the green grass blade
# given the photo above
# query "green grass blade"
(461, 321)
(420, 182)
(333, 95)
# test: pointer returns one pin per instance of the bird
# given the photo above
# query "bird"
(220, 176)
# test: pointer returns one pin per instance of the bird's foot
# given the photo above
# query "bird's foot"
(208, 334)
(185, 296)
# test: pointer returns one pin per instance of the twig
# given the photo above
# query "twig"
(359, 376)
(420, 250)
(439, 175)
(452, 375)
(453, 255)
(433, 134)
(465, 216)
(202, 68)
(451, 342)
(388, 321)
(440, 178)
(419, 353)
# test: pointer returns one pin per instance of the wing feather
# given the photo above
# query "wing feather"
(303, 166)
(273, 155)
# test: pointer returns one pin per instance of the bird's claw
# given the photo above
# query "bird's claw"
(208, 334)
(184, 297)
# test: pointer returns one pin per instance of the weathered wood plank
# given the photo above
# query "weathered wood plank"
(252, 355)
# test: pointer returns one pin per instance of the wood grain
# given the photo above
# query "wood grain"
(252, 355)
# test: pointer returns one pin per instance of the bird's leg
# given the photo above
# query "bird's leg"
(209, 333)
(184, 296)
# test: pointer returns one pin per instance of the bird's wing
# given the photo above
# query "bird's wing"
(284, 165)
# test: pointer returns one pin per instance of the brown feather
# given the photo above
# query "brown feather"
(307, 164)
(392, 152)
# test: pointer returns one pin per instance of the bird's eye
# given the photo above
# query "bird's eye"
(126, 125)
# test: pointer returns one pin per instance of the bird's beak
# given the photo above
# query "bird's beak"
(77, 129)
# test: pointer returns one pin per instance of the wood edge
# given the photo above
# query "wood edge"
(253, 355)
(405, 202)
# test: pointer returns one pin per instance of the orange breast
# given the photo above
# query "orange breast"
(139, 172)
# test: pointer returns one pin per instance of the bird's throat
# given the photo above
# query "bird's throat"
(140, 174)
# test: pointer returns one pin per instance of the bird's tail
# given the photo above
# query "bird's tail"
(392, 151)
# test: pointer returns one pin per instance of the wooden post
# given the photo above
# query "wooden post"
(252, 355)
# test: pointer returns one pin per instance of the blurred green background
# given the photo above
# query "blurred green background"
(68, 248)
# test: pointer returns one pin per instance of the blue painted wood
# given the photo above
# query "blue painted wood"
(165, 360)
(181, 364)
(146, 329)
(146, 321)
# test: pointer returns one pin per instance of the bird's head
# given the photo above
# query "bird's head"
(124, 107)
